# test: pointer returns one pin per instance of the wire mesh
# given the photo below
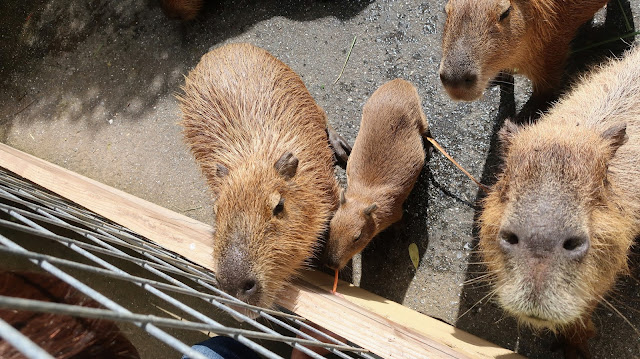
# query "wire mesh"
(160, 300)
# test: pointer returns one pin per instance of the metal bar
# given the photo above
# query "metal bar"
(50, 209)
(98, 297)
(21, 343)
(97, 313)
(159, 294)
(233, 312)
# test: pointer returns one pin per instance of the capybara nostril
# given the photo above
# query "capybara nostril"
(508, 240)
(576, 246)
(249, 287)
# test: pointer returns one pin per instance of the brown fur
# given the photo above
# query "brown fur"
(185, 10)
(243, 110)
(576, 171)
(62, 336)
(384, 164)
(533, 40)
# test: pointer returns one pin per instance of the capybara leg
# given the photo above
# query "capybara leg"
(340, 146)
(535, 107)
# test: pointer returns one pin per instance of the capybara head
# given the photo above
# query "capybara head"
(351, 229)
(550, 231)
(260, 231)
(185, 10)
(480, 37)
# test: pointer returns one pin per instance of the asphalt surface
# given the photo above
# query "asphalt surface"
(90, 85)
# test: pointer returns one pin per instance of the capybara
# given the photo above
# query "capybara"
(557, 226)
(181, 9)
(62, 336)
(384, 164)
(530, 37)
(262, 145)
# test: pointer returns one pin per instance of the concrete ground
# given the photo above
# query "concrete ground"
(90, 85)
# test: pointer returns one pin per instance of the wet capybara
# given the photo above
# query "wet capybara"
(62, 336)
(384, 164)
(556, 228)
(530, 37)
(262, 145)
(185, 10)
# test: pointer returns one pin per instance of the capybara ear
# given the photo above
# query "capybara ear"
(617, 134)
(507, 133)
(505, 7)
(343, 199)
(221, 170)
(367, 211)
(287, 165)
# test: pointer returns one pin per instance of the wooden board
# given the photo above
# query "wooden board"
(174, 231)
(384, 327)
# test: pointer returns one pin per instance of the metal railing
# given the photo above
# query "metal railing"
(99, 248)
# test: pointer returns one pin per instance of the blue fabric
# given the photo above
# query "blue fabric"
(223, 348)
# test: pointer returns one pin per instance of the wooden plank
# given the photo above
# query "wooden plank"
(400, 319)
(174, 231)
(384, 327)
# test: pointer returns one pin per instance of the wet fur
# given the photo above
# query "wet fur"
(243, 109)
(385, 162)
(533, 40)
(576, 159)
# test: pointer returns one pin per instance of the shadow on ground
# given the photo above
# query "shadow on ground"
(138, 57)
(615, 319)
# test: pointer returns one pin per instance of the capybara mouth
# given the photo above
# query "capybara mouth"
(464, 94)
(546, 308)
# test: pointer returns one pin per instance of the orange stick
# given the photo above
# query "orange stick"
(439, 148)
(335, 283)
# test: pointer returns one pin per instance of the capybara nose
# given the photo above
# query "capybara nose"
(543, 243)
(333, 263)
(458, 79)
(331, 259)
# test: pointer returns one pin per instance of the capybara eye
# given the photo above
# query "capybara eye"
(279, 207)
(509, 237)
(505, 13)
(357, 238)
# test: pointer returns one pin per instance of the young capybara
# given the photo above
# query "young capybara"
(262, 145)
(384, 164)
(62, 336)
(557, 226)
(531, 37)
(185, 10)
